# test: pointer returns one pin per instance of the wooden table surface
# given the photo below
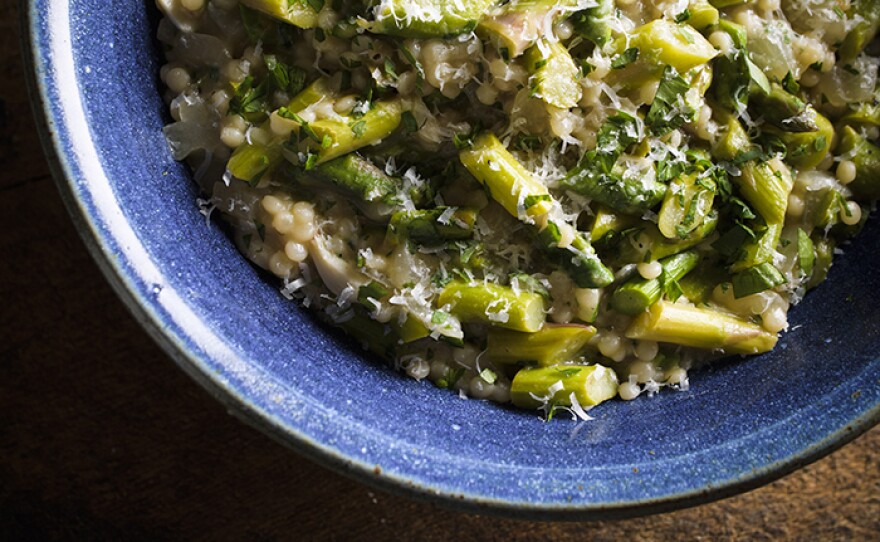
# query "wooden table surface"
(103, 437)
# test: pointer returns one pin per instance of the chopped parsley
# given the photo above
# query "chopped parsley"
(359, 128)
(625, 58)
(410, 125)
(439, 317)
(373, 290)
(249, 100)
(451, 378)
(283, 77)
(790, 84)
(568, 373)
(670, 109)
(671, 288)
(390, 69)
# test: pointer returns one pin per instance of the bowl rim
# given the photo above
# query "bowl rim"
(53, 131)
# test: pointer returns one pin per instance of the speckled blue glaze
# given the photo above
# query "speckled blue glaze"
(743, 422)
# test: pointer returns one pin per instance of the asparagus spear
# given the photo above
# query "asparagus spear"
(379, 122)
(645, 243)
(637, 294)
(412, 329)
(374, 336)
(806, 150)
(426, 18)
(319, 89)
(608, 221)
(766, 186)
(495, 305)
(554, 75)
(665, 43)
(865, 114)
(578, 259)
(823, 208)
(597, 176)
(685, 206)
(700, 328)
(592, 23)
(631, 196)
(251, 162)
(697, 286)
(806, 253)
(866, 157)
(433, 226)
(784, 110)
(294, 12)
(511, 185)
(358, 176)
(555, 386)
(507, 181)
(552, 345)
(517, 25)
(733, 141)
(866, 14)
(702, 14)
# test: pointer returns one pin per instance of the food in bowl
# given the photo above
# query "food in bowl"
(546, 203)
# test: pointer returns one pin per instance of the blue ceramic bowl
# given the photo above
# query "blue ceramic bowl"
(743, 423)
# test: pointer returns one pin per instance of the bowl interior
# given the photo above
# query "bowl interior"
(742, 422)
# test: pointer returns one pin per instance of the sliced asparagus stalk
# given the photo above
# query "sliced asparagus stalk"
(556, 385)
(579, 258)
(866, 157)
(507, 181)
(702, 14)
(426, 18)
(685, 206)
(633, 196)
(766, 186)
(759, 250)
(783, 109)
(433, 226)
(645, 242)
(866, 15)
(517, 25)
(806, 150)
(552, 345)
(668, 44)
(293, 12)
(637, 294)
(379, 122)
(554, 75)
(608, 221)
(700, 328)
(697, 286)
(495, 305)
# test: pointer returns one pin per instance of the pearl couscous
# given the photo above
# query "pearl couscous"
(546, 202)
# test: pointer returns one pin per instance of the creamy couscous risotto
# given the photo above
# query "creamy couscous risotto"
(549, 203)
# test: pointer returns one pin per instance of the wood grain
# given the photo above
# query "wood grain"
(103, 437)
